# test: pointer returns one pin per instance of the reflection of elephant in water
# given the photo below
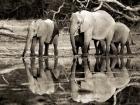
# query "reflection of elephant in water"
(121, 36)
(99, 86)
(46, 31)
(41, 75)
(97, 25)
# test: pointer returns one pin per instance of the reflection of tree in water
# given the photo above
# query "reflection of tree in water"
(110, 76)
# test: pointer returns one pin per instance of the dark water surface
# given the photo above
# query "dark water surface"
(70, 81)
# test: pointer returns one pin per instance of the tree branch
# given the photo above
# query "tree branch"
(121, 5)
(59, 9)
(97, 8)
(134, 19)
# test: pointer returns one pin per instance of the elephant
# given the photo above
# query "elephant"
(97, 25)
(121, 36)
(46, 31)
(41, 77)
(99, 86)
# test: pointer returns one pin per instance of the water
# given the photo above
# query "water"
(70, 81)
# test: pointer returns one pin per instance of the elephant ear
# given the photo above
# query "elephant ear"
(86, 21)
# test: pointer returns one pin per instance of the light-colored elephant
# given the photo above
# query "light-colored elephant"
(121, 36)
(46, 31)
(97, 25)
(98, 86)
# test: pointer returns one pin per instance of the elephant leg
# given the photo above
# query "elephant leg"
(55, 44)
(117, 47)
(82, 48)
(107, 47)
(122, 48)
(108, 41)
(77, 48)
(113, 49)
(46, 49)
(102, 47)
(128, 47)
(55, 50)
(85, 48)
(88, 48)
(33, 44)
(96, 47)
(41, 43)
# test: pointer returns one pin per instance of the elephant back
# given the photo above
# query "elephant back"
(121, 33)
(103, 24)
(45, 29)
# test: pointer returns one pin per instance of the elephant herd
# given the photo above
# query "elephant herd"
(109, 37)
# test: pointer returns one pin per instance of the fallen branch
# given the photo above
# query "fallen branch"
(12, 35)
(4, 28)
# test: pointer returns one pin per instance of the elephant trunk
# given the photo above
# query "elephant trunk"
(72, 39)
(28, 40)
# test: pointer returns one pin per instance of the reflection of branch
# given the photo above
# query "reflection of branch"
(119, 90)
(136, 18)
(5, 80)
(11, 68)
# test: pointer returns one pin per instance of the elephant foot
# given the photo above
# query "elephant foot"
(75, 56)
(40, 55)
(121, 53)
(32, 54)
(23, 55)
(46, 54)
(97, 53)
(129, 52)
(85, 55)
(106, 54)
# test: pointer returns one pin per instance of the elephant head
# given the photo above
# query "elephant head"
(79, 23)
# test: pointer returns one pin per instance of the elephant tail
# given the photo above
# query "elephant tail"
(131, 39)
